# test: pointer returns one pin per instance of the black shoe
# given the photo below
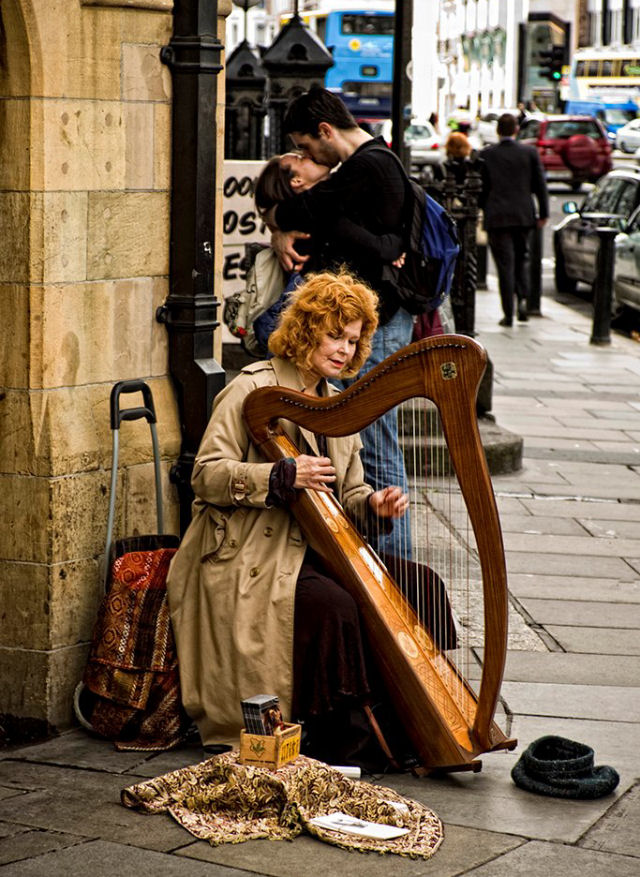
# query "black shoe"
(506, 321)
(523, 317)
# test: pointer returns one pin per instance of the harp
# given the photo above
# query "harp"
(449, 724)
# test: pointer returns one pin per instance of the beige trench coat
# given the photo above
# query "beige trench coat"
(231, 585)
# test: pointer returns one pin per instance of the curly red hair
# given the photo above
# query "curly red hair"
(325, 303)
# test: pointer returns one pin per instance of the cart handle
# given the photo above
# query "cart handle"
(148, 412)
(118, 414)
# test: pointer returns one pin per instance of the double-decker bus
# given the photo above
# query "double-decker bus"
(605, 73)
(360, 38)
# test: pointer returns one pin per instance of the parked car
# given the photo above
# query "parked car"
(626, 282)
(575, 240)
(420, 137)
(573, 149)
(628, 137)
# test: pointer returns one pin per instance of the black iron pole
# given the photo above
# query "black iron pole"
(190, 311)
(603, 287)
(536, 243)
(401, 89)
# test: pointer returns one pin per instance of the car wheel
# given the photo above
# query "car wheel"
(564, 283)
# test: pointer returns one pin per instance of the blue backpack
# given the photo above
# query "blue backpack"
(432, 248)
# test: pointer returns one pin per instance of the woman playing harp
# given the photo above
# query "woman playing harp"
(253, 607)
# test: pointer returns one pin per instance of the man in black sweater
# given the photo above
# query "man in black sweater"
(513, 175)
(369, 190)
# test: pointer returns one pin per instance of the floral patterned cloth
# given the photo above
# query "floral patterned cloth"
(223, 801)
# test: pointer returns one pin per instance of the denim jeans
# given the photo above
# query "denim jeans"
(382, 455)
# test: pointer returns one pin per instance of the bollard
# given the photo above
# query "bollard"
(603, 287)
(535, 272)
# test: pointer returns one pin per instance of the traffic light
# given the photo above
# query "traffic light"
(551, 63)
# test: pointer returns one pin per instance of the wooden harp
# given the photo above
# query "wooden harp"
(447, 722)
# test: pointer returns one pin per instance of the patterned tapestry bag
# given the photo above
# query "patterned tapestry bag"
(130, 690)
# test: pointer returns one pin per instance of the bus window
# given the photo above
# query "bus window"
(606, 68)
(630, 67)
(321, 27)
(580, 65)
(367, 25)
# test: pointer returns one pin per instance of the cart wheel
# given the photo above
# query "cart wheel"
(81, 698)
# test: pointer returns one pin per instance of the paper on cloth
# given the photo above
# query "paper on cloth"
(223, 801)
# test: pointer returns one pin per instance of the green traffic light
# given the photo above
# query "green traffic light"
(557, 75)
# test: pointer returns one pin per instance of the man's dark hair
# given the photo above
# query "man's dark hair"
(306, 111)
(507, 125)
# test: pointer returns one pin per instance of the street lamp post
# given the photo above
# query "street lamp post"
(190, 310)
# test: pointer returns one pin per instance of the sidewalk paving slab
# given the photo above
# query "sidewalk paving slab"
(617, 831)
(101, 858)
(461, 850)
(557, 859)
(596, 640)
(605, 590)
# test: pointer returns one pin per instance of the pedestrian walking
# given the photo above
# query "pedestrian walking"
(513, 176)
(368, 189)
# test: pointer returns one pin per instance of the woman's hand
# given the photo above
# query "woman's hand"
(282, 243)
(314, 472)
(399, 262)
(390, 502)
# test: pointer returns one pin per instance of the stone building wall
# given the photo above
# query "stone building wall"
(85, 125)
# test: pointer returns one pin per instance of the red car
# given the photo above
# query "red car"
(573, 149)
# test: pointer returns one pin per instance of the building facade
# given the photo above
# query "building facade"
(84, 221)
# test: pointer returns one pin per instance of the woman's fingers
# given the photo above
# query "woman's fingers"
(314, 472)
(390, 502)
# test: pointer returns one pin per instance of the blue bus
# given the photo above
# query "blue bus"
(361, 41)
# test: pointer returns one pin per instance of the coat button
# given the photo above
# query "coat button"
(254, 571)
(232, 543)
(268, 531)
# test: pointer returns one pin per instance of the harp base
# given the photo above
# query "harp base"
(474, 766)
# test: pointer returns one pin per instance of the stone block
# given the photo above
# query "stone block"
(65, 669)
(15, 210)
(140, 508)
(537, 857)
(139, 152)
(617, 832)
(55, 432)
(87, 802)
(26, 845)
(78, 511)
(16, 69)
(54, 520)
(159, 334)
(26, 605)
(144, 76)
(24, 682)
(14, 354)
(24, 512)
(96, 332)
(162, 146)
(14, 123)
(599, 702)
(75, 589)
(59, 236)
(128, 234)
(85, 145)
(580, 613)
(91, 51)
(463, 849)
(596, 640)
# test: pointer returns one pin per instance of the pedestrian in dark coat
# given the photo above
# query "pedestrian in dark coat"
(514, 175)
